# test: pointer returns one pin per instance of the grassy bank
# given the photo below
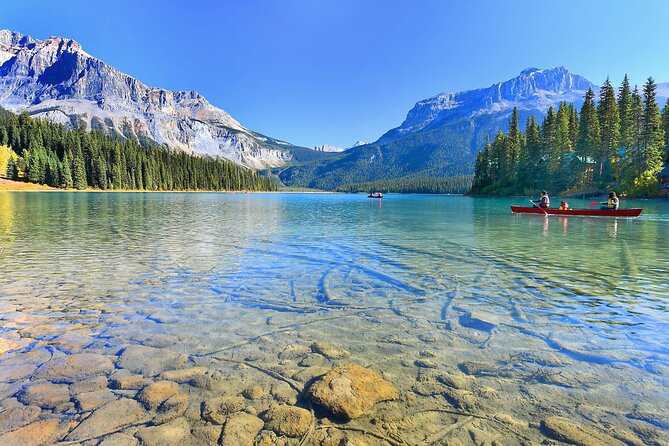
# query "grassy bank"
(9, 185)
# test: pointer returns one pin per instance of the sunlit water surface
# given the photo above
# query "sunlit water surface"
(531, 317)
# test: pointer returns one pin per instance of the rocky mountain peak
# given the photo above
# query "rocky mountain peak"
(12, 38)
(56, 79)
(533, 89)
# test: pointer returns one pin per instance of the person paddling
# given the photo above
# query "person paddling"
(544, 202)
(613, 202)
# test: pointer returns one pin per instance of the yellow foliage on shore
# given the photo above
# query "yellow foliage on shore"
(5, 153)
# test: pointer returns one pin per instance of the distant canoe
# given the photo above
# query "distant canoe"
(375, 195)
(632, 212)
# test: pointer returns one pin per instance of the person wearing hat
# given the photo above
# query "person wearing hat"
(544, 202)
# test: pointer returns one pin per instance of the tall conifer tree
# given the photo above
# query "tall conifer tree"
(589, 135)
(652, 135)
(609, 124)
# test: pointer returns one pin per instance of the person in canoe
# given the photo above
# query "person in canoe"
(564, 206)
(544, 202)
(613, 202)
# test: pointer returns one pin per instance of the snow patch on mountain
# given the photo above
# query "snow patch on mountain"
(327, 148)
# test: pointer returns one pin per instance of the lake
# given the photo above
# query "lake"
(491, 326)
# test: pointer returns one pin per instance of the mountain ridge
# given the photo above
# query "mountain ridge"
(56, 79)
(442, 134)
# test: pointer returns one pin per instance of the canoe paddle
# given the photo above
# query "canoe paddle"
(594, 203)
(535, 205)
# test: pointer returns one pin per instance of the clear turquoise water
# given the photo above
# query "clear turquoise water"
(572, 314)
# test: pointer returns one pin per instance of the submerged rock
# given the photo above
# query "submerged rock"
(425, 364)
(329, 350)
(254, 393)
(124, 380)
(350, 391)
(479, 320)
(173, 433)
(461, 399)
(16, 372)
(87, 401)
(45, 395)
(16, 415)
(38, 433)
(149, 361)
(286, 420)
(570, 432)
(654, 418)
(76, 367)
(89, 385)
(207, 433)
(241, 430)
(154, 394)
(480, 369)
(108, 418)
(216, 410)
(119, 439)
(183, 375)
(172, 408)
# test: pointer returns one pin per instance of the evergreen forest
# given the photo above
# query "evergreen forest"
(617, 141)
(47, 153)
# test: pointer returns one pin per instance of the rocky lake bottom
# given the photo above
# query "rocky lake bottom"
(167, 326)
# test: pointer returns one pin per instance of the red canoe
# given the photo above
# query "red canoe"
(632, 212)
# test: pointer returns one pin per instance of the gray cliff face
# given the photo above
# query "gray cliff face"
(534, 90)
(56, 79)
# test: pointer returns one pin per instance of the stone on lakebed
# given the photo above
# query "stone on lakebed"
(76, 367)
(155, 393)
(241, 429)
(350, 391)
(149, 361)
(287, 420)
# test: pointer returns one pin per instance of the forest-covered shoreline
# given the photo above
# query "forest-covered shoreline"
(42, 152)
(618, 143)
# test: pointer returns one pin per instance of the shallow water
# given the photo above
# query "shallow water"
(489, 324)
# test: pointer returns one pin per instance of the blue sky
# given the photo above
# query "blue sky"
(335, 71)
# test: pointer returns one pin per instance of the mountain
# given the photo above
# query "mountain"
(57, 80)
(442, 134)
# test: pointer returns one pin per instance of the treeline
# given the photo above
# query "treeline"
(48, 153)
(618, 142)
(449, 185)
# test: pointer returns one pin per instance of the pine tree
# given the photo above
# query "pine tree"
(66, 171)
(563, 143)
(609, 124)
(512, 147)
(12, 169)
(636, 159)
(482, 168)
(79, 172)
(665, 123)
(589, 136)
(498, 159)
(626, 111)
(652, 136)
(537, 168)
(573, 125)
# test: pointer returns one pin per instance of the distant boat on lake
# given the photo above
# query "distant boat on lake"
(375, 195)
